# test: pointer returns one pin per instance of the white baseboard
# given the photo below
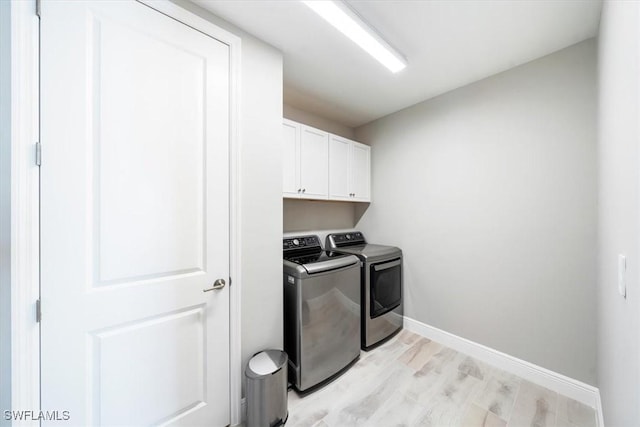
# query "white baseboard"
(562, 384)
(243, 410)
(599, 411)
(243, 414)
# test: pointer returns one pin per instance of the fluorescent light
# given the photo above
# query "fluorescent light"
(349, 23)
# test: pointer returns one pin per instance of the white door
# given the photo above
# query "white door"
(361, 175)
(290, 163)
(339, 153)
(134, 108)
(314, 163)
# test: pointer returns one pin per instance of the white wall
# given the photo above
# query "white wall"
(261, 190)
(304, 215)
(490, 191)
(619, 211)
(5, 209)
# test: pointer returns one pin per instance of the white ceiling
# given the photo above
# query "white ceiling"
(448, 44)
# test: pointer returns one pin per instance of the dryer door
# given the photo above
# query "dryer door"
(386, 286)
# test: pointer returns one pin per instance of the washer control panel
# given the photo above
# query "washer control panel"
(299, 242)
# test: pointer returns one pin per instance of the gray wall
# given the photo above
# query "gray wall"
(490, 190)
(313, 120)
(5, 209)
(260, 189)
(619, 211)
(301, 215)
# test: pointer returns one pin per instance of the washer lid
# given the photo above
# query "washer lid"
(334, 261)
(327, 261)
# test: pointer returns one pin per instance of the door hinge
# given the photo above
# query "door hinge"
(230, 281)
(38, 154)
(38, 311)
(38, 8)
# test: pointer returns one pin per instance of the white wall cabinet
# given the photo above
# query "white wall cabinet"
(319, 165)
(305, 161)
(349, 170)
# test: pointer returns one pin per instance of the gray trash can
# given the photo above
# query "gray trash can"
(266, 375)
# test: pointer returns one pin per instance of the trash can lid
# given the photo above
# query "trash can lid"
(267, 362)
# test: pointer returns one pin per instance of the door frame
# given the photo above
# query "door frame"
(20, 202)
(22, 198)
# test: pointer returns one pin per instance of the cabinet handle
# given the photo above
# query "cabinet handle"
(304, 189)
(299, 190)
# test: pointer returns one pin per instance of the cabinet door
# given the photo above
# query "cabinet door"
(290, 155)
(314, 163)
(360, 172)
(339, 152)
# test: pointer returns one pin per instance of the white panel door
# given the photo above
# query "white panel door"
(360, 172)
(290, 155)
(134, 199)
(314, 163)
(339, 153)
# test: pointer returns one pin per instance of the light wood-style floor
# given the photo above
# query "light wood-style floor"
(412, 381)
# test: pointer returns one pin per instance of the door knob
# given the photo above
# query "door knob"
(217, 285)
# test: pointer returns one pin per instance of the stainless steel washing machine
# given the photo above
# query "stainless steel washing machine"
(321, 311)
(381, 285)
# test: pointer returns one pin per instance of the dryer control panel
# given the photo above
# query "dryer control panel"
(346, 239)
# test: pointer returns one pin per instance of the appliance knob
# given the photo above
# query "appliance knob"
(296, 242)
(348, 236)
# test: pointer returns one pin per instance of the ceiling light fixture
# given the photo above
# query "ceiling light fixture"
(349, 23)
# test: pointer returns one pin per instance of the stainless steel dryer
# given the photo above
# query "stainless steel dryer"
(321, 311)
(381, 285)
